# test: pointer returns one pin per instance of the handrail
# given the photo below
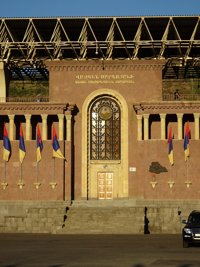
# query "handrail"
(23, 99)
(181, 97)
(165, 97)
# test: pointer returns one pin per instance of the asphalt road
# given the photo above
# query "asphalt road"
(28, 250)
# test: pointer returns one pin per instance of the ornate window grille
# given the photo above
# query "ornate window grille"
(105, 120)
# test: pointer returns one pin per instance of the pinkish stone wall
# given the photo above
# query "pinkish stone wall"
(136, 81)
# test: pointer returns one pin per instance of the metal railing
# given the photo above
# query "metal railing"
(23, 99)
(181, 97)
(165, 97)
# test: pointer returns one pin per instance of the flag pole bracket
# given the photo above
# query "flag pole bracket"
(153, 184)
(171, 184)
(188, 184)
(53, 185)
(37, 185)
(21, 184)
(4, 185)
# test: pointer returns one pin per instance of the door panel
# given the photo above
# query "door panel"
(105, 185)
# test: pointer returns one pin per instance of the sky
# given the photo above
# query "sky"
(89, 8)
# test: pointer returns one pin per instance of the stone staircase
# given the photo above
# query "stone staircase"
(95, 216)
(126, 217)
(99, 217)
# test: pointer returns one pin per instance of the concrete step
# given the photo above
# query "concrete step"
(107, 220)
(127, 216)
(105, 203)
(105, 217)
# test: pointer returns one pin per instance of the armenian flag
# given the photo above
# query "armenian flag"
(56, 148)
(170, 149)
(6, 145)
(186, 141)
(22, 150)
(39, 144)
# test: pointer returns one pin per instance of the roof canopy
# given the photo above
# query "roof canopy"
(26, 42)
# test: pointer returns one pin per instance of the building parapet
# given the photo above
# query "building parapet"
(18, 108)
(170, 106)
(182, 97)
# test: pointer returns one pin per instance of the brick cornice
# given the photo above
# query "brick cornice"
(105, 65)
(34, 108)
(169, 107)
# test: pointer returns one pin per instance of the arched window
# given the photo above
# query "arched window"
(105, 129)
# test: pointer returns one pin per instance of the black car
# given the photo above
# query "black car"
(191, 230)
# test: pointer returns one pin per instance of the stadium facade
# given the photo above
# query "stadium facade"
(111, 84)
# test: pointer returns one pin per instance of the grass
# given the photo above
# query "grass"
(28, 89)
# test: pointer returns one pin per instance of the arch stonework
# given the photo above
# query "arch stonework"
(119, 167)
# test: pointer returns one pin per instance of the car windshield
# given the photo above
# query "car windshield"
(194, 218)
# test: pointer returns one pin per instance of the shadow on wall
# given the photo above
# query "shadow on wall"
(141, 265)
(146, 223)
(16, 265)
(65, 217)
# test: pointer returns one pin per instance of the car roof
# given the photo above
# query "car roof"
(195, 211)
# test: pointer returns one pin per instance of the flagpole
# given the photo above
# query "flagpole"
(4, 171)
(22, 153)
(53, 183)
(171, 182)
(4, 183)
(20, 184)
(20, 172)
(56, 154)
(53, 169)
(37, 166)
(171, 173)
(37, 184)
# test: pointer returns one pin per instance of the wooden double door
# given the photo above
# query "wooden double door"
(105, 185)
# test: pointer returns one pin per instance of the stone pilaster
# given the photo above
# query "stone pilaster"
(146, 126)
(11, 127)
(28, 126)
(180, 125)
(2, 83)
(162, 126)
(44, 126)
(69, 126)
(196, 128)
(61, 123)
(139, 127)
